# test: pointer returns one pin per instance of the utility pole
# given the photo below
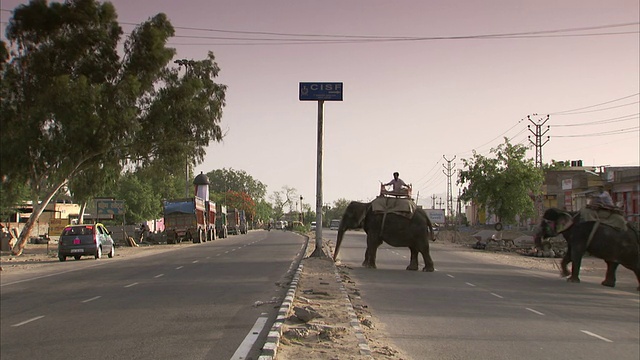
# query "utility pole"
(433, 201)
(448, 172)
(538, 133)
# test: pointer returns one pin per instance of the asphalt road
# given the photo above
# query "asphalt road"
(473, 309)
(215, 300)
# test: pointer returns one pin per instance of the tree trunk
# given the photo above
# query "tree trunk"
(38, 208)
(83, 209)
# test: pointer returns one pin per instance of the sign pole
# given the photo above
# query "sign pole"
(318, 251)
(320, 92)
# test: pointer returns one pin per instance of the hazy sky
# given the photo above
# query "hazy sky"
(442, 91)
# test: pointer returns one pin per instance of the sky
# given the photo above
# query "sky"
(424, 83)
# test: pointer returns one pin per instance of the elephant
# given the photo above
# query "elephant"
(614, 246)
(396, 230)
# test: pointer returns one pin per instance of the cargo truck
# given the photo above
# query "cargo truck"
(221, 221)
(233, 224)
(243, 222)
(185, 219)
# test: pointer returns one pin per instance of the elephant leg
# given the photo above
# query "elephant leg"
(413, 263)
(566, 259)
(371, 252)
(610, 278)
(576, 262)
(428, 262)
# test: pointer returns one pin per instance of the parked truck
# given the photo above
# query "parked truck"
(211, 221)
(233, 218)
(185, 219)
(221, 221)
(243, 222)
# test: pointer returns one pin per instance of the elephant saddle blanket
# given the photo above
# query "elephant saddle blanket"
(604, 216)
(399, 206)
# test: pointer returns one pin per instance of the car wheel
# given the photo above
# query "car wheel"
(77, 257)
(99, 253)
(62, 258)
(112, 253)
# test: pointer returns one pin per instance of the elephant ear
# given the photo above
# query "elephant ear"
(564, 221)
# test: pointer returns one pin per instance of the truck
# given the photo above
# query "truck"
(211, 221)
(221, 221)
(233, 218)
(243, 222)
(185, 219)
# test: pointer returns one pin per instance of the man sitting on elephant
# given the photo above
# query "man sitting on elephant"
(399, 186)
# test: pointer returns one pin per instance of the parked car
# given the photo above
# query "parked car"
(313, 225)
(85, 240)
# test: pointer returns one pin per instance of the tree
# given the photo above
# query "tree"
(70, 102)
(242, 201)
(556, 165)
(336, 211)
(142, 201)
(223, 180)
(503, 184)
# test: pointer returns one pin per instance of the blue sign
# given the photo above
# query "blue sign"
(316, 91)
(110, 207)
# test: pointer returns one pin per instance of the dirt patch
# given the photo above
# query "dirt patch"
(328, 318)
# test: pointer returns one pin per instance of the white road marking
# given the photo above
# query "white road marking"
(451, 276)
(28, 321)
(179, 267)
(93, 298)
(470, 284)
(596, 336)
(496, 295)
(159, 275)
(132, 284)
(535, 311)
(249, 340)
(194, 261)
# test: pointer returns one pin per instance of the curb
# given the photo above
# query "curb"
(270, 347)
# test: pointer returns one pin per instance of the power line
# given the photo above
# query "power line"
(603, 121)
(605, 133)
(591, 106)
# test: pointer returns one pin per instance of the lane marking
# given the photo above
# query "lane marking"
(496, 295)
(179, 267)
(535, 311)
(93, 298)
(596, 336)
(470, 284)
(28, 321)
(132, 284)
(194, 261)
(159, 275)
(451, 276)
(246, 345)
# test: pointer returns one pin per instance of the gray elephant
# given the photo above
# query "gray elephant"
(410, 229)
(587, 231)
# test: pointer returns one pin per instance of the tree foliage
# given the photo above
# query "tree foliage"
(241, 201)
(504, 184)
(71, 104)
(223, 180)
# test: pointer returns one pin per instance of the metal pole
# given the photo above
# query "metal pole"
(318, 250)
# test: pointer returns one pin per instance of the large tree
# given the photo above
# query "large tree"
(71, 103)
(223, 180)
(505, 183)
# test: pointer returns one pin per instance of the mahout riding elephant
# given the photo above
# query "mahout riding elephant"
(615, 246)
(396, 230)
